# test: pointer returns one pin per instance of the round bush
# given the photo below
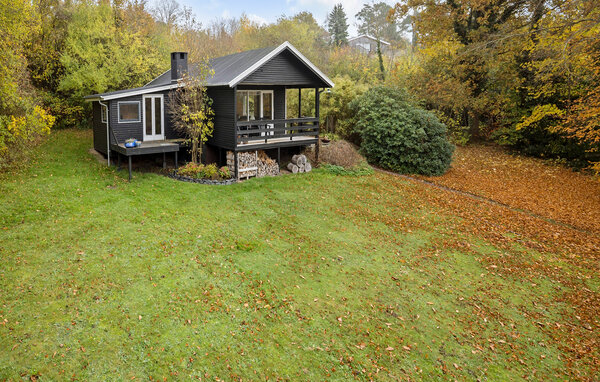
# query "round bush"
(400, 136)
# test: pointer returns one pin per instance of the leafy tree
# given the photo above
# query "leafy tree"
(100, 55)
(335, 112)
(191, 111)
(337, 25)
(400, 136)
(480, 58)
(168, 12)
(373, 20)
(302, 30)
(17, 21)
(22, 120)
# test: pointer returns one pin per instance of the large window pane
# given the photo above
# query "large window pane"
(242, 106)
(268, 105)
(157, 116)
(254, 106)
(148, 115)
(129, 111)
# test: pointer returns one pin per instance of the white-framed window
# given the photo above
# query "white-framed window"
(103, 113)
(128, 111)
(254, 105)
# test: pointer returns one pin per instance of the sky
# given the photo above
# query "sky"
(266, 11)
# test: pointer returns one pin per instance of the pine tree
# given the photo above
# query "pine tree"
(337, 25)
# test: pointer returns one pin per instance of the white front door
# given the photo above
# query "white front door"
(154, 112)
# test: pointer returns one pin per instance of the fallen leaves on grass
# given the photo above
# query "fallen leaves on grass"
(553, 191)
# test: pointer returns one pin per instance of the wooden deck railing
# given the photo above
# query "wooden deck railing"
(266, 131)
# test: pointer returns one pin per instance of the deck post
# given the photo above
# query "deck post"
(235, 119)
(118, 160)
(317, 104)
(299, 102)
(235, 164)
(176, 154)
(129, 158)
(164, 160)
(279, 156)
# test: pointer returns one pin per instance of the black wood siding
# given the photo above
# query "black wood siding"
(170, 132)
(124, 131)
(223, 105)
(128, 130)
(285, 69)
(99, 128)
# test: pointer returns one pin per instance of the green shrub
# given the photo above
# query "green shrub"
(210, 172)
(224, 172)
(539, 140)
(19, 133)
(335, 111)
(398, 135)
(360, 169)
(200, 171)
(191, 170)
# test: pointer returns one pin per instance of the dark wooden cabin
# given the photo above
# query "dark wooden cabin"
(248, 90)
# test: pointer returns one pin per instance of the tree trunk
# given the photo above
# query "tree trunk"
(195, 155)
(381, 68)
(474, 122)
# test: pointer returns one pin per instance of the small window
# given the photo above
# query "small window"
(129, 111)
(103, 113)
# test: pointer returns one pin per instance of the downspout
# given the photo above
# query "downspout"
(107, 131)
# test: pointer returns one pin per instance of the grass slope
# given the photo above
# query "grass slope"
(301, 277)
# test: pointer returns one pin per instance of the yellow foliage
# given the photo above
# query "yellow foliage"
(539, 113)
(20, 131)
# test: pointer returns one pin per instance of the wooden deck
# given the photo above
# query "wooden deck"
(259, 142)
(260, 134)
(147, 147)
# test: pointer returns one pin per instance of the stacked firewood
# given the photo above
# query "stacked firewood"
(266, 165)
(247, 163)
(299, 163)
(252, 163)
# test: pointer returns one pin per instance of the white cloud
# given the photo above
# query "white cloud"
(226, 14)
(257, 19)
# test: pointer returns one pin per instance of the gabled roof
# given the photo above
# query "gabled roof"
(228, 71)
(369, 37)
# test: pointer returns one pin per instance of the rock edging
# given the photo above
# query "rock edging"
(201, 181)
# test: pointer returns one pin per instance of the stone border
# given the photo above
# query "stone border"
(211, 182)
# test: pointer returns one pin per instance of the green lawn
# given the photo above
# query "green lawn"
(298, 277)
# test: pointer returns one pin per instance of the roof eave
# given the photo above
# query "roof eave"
(286, 45)
(139, 91)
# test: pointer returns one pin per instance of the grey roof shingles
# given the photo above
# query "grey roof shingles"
(225, 69)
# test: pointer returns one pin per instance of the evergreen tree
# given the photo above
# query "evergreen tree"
(337, 25)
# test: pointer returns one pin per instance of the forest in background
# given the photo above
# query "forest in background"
(523, 73)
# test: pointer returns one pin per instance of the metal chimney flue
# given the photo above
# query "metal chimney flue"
(179, 65)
